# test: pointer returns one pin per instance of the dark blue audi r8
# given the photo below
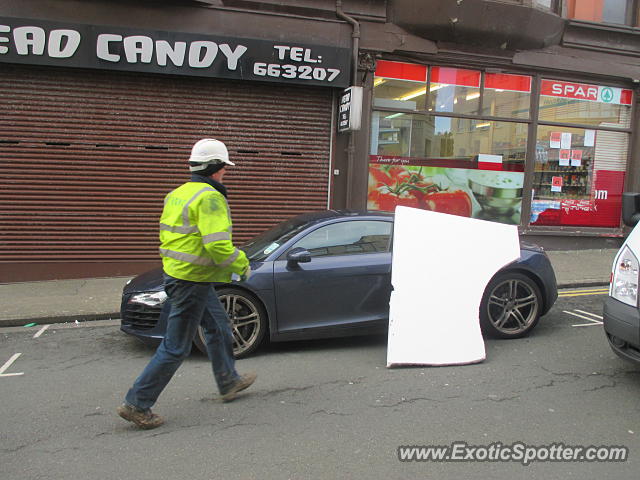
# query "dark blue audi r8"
(328, 274)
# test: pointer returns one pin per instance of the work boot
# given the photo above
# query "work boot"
(145, 419)
(242, 383)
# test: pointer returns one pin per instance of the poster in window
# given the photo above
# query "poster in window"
(589, 138)
(576, 158)
(456, 187)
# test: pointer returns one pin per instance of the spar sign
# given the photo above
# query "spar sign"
(584, 91)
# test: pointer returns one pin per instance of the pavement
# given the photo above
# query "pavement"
(87, 299)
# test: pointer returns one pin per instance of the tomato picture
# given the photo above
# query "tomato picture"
(387, 202)
(391, 186)
(380, 176)
(452, 202)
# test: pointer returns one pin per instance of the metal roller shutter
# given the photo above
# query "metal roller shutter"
(87, 157)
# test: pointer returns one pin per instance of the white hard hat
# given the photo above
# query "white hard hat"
(206, 152)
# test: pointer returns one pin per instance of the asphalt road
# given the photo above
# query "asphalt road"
(323, 409)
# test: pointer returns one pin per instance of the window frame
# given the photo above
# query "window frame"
(632, 14)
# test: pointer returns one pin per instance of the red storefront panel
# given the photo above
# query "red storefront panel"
(401, 71)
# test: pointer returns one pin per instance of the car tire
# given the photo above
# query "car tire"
(248, 319)
(510, 306)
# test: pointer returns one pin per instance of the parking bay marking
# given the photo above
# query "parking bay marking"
(8, 364)
(593, 322)
(41, 331)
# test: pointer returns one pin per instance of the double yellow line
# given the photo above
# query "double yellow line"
(578, 293)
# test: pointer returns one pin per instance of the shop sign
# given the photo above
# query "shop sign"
(583, 91)
(350, 109)
(40, 42)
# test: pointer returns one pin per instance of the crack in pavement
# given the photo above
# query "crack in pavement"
(271, 393)
(576, 376)
(495, 398)
(242, 424)
(601, 387)
(216, 430)
(331, 413)
(569, 377)
(87, 362)
(408, 401)
(15, 449)
(25, 445)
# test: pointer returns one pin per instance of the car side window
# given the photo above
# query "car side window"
(348, 238)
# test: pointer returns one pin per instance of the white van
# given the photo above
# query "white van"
(621, 309)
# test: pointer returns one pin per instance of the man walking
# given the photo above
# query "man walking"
(196, 250)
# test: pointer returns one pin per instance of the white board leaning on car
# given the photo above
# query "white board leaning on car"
(440, 268)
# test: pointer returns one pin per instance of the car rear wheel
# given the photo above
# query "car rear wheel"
(511, 306)
(248, 320)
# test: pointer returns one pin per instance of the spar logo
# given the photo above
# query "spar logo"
(607, 95)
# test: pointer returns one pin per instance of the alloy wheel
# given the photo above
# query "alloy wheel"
(245, 321)
(511, 307)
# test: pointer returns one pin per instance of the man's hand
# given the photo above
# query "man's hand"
(245, 276)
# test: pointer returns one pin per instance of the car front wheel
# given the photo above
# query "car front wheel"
(248, 321)
(511, 306)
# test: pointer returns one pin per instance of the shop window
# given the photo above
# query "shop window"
(454, 90)
(474, 166)
(506, 96)
(403, 86)
(579, 172)
(393, 134)
(400, 85)
(579, 177)
(452, 165)
(601, 11)
(449, 138)
(545, 4)
(584, 104)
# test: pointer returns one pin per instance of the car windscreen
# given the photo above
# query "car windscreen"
(258, 248)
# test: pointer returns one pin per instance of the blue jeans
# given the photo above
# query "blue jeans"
(192, 304)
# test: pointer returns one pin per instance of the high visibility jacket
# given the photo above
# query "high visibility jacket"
(195, 235)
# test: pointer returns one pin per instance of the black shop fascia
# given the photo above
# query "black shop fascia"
(39, 42)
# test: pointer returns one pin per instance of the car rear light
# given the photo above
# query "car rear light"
(624, 282)
(150, 299)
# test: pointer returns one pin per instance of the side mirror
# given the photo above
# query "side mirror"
(298, 255)
(630, 208)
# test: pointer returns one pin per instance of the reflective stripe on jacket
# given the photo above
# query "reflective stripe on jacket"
(195, 236)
